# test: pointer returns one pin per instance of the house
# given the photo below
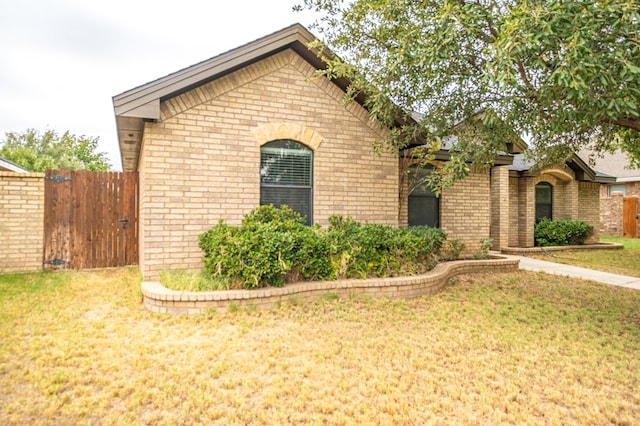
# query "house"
(254, 126)
(8, 166)
(622, 187)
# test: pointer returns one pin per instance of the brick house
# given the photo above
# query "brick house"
(251, 126)
(619, 186)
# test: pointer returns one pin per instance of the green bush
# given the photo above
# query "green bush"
(561, 232)
(270, 245)
(360, 251)
(273, 246)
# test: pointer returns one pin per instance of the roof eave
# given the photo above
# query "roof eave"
(133, 107)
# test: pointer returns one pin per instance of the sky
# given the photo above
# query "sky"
(62, 61)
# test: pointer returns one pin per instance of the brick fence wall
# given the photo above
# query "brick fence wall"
(21, 221)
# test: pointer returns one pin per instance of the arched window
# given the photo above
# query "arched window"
(544, 201)
(424, 206)
(286, 176)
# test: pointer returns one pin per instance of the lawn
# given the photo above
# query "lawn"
(625, 261)
(519, 348)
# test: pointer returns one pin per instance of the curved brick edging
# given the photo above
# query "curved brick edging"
(158, 298)
(521, 251)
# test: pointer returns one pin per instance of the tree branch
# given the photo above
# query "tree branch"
(627, 123)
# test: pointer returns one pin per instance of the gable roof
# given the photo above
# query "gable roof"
(576, 163)
(613, 164)
(133, 107)
(8, 166)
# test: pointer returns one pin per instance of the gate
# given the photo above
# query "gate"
(630, 217)
(90, 219)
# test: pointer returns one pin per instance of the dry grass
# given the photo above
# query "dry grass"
(625, 261)
(519, 348)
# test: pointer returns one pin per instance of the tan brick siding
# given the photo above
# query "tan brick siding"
(611, 215)
(200, 161)
(589, 210)
(514, 211)
(571, 199)
(500, 207)
(21, 221)
(465, 212)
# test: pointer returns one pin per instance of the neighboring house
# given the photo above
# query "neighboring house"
(8, 166)
(254, 126)
(624, 183)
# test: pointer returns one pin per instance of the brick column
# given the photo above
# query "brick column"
(527, 213)
(499, 231)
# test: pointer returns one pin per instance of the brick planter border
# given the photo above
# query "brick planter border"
(158, 298)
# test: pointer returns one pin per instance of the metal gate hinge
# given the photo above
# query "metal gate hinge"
(58, 178)
(56, 262)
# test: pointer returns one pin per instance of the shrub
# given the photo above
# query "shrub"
(270, 245)
(561, 232)
(483, 251)
(360, 251)
(452, 249)
(273, 246)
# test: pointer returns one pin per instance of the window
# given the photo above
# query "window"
(424, 206)
(617, 188)
(544, 201)
(286, 176)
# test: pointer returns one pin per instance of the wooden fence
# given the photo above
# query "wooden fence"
(90, 219)
(630, 217)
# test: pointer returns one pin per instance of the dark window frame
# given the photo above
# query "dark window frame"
(421, 196)
(543, 207)
(273, 190)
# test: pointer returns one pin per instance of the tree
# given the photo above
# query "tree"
(38, 152)
(562, 74)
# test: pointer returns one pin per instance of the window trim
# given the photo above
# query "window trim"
(624, 188)
(310, 187)
(537, 203)
(418, 193)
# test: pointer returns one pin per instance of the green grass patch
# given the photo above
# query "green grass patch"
(185, 280)
(632, 244)
(624, 262)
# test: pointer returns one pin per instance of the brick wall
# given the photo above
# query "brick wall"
(200, 161)
(522, 210)
(611, 208)
(611, 214)
(21, 221)
(500, 207)
(589, 207)
(571, 199)
(465, 210)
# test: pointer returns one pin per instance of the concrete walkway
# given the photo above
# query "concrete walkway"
(529, 264)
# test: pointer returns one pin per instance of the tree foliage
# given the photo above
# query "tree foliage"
(562, 74)
(38, 152)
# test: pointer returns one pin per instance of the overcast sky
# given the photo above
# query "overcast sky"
(61, 61)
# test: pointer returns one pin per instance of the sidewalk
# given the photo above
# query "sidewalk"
(535, 265)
